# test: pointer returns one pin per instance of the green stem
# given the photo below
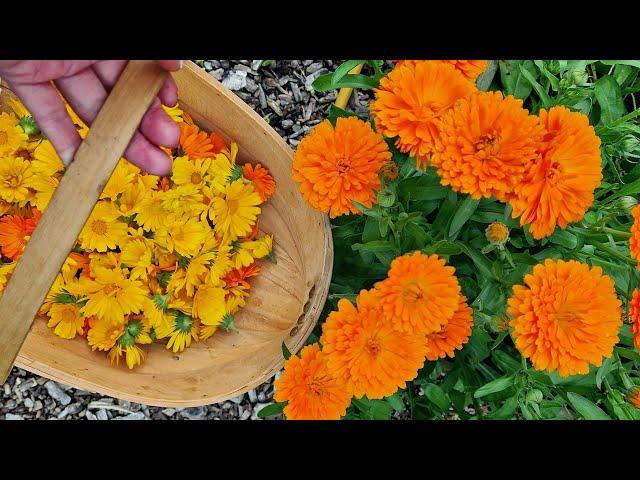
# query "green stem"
(613, 253)
(410, 397)
(476, 404)
(613, 231)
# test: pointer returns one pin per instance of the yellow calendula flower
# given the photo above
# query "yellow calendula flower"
(134, 355)
(209, 305)
(174, 112)
(497, 233)
(206, 331)
(137, 255)
(262, 247)
(15, 175)
(237, 211)
(103, 230)
(123, 175)
(67, 320)
(245, 252)
(221, 169)
(82, 127)
(12, 137)
(180, 332)
(113, 295)
(185, 199)
(133, 195)
(18, 108)
(43, 186)
(191, 172)
(182, 235)
(103, 334)
(46, 160)
(108, 260)
(6, 269)
(150, 212)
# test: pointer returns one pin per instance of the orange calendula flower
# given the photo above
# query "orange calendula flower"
(566, 317)
(634, 397)
(409, 101)
(634, 241)
(365, 351)
(420, 293)
(497, 232)
(558, 187)
(453, 335)
(218, 143)
(309, 388)
(484, 145)
(15, 232)
(634, 316)
(194, 143)
(262, 180)
(471, 69)
(337, 166)
(238, 276)
(390, 171)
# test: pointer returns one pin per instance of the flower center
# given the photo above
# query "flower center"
(565, 317)
(343, 165)
(4, 138)
(111, 288)
(13, 180)
(196, 178)
(412, 292)
(232, 206)
(553, 173)
(317, 386)
(178, 235)
(68, 315)
(487, 143)
(24, 153)
(99, 227)
(373, 347)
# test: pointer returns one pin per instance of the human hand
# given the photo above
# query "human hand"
(85, 84)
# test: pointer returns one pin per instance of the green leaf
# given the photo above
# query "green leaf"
(497, 385)
(479, 260)
(272, 409)
(396, 402)
(464, 212)
(604, 370)
(632, 63)
(609, 97)
(437, 396)
(325, 82)
(564, 239)
(586, 408)
(344, 69)
(507, 409)
(506, 362)
(285, 352)
(337, 112)
(374, 246)
(544, 96)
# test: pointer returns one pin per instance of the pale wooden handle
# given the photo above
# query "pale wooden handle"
(72, 203)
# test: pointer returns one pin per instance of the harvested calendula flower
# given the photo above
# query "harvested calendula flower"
(160, 259)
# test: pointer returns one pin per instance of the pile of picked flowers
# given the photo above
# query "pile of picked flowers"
(161, 259)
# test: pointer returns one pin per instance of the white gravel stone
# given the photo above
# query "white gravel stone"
(133, 416)
(235, 79)
(13, 416)
(54, 390)
(102, 415)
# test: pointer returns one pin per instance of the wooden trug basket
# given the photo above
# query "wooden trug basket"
(285, 301)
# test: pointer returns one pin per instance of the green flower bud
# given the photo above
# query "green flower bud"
(579, 77)
(534, 396)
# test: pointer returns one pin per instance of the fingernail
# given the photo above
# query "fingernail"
(181, 63)
(67, 156)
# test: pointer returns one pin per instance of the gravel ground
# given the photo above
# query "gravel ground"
(280, 93)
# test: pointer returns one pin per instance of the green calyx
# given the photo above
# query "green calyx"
(183, 322)
(227, 324)
(29, 125)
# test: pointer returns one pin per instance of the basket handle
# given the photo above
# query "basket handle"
(72, 203)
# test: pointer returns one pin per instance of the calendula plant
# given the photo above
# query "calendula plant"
(486, 235)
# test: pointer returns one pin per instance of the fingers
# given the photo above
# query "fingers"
(147, 156)
(168, 94)
(84, 92)
(38, 71)
(48, 110)
(171, 65)
(159, 128)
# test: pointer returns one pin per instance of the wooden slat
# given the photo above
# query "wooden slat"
(72, 203)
